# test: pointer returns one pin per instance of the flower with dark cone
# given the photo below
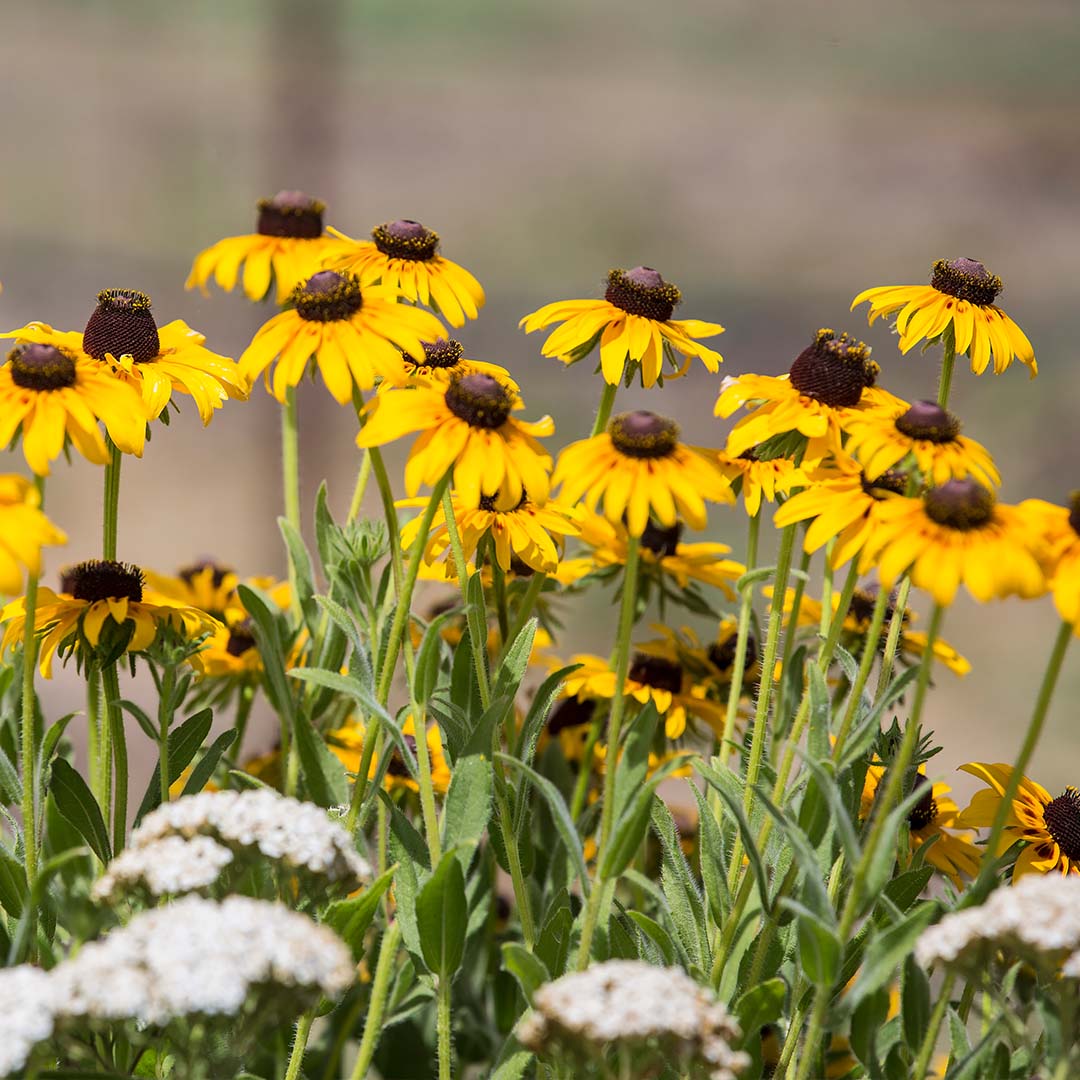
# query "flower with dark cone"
(467, 426)
(346, 743)
(632, 324)
(53, 398)
(828, 380)
(354, 335)
(1048, 826)
(755, 478)
(24, 531)
(287, 247)
(101, 600)
(639, 467)
(445, 360)
(403, 256)
(960, 295)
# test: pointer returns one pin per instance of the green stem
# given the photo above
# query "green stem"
(29, 742)
(380, 989)
(112, 501)
(93, 735)
(581, 787)
(427, 788)
(296, 1058)
(360, 488)
(869, 653)
(443, 1025)
(948, 362)
(791, 1042)
(386, 494)
(603, 413)
(240, 722)
(738, 667)
(926, 1049)
(892, 642)
(111, 679)
(165, 714)
(814, 1032)
(290, 469)
(790, 635)
(498, 579)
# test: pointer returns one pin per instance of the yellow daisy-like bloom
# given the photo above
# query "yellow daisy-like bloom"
(24, 531)
(923, 433)
(94, 594)
(958, 533)
(122, 333)
(467, 426)
(755, 479)
(522, 530)
(347, 744)
(1060, 525)
(403, 256)
(633, 324)
(638, 467)
(829, 381)
(710, 665)
(354, 336)
(287, 247)
(444, 361)
(935, 814)
(960, 295)
(662, 552)
(53, 398)
(1049, 827)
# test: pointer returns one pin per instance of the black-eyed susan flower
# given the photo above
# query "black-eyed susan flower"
(347, 744)
(934, 816)
(638, 467)
(24, 531)
(52, 398)
(1060, 525)
(1048, 826)
(533, 534)
(445, 360)
(924, 435)
(828, 380)
(467, 426)
(403, 256)
(354, 336)
(961, 294)
(287, 247)
(955, 533)
(632, 324)
(755, 478)
(100, 604)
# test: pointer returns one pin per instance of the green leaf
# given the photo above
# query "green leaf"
(142, 718)
(762, 1004)
(553, 945)
(527, 968)
(442, 917)
(915, 1002)
(79, 808)
(887, 950)
(634, 761)
(303, 573)
(52, 738)
(412, 843)
(185, 741)
(10, 784)
(468, 806)
(752, 577)
(201, 774)
(13, 887)
(627, 834)
(684, 901)
(324, 772)
(538, 711)
(516, 661)
(817, 738)
(476, 617)
(512, 1067)
(712, 858)
(351, 918)
(429, 658)
(819, 951)
(657, 935)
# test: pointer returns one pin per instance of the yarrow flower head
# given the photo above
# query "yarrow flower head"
(959, 300)
(633, 325)
(24, 531)
(171, 866)
(28, 1003)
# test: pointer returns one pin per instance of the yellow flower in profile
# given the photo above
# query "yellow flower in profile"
(960, 295)
(24, 531)
(828, 381)
(1060, 525)
(1049, 827)
(533, 534)
(633, 324)
(926, 434)
(347, 744)
(466, 426)
(354, 336)
(934, 815)
(94, 594)
(956, 533)
(755, 479)
(287, 247)
(639, 466)
(444, 361)
(52, 399)
(403, 256)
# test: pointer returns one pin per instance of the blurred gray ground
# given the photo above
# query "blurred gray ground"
(772, 159)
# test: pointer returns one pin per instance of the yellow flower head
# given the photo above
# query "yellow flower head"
(924, 433)
(633, 324)
(1049, 827)
(347, 744)
(1060, 525)
(101, 597)
(756, 479)
(708, 667)
(960, 296)
(829, 380)
(287, 247)
(24, 531)
(54, 398)
(956, 533)
(639, 466)
(354, 335)
(444, 361)
(466, 426)
(403, 256)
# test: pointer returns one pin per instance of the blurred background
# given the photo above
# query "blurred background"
(771, 159)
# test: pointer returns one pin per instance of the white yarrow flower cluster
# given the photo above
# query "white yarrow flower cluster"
(637, 1005)
(27, 1007)
(1039, 916)
(170, 866)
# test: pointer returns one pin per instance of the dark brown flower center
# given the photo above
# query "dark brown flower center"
(570, 713)
(241, 638)
(103, 579)
(643, 434)
(642, 291)
(493, 503)
(122, 325)
(928, 420)
(41, 367)
(722, 653)
(834, 370)
(396, 765)
(405, 239)
(925, 810)
(444, 353)
(863, 602)
(1062, 817)
(1074, 511)
(656, 672)
(291, 214)
(966, 279)
(218, 573)
(660, 541)
(959, 504)
(891, 481)
(328, 297)
(479, 400)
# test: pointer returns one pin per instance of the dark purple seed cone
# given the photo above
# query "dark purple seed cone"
(328, 297)
(479, 400)
(722, 653)
(834, 370)
(662, 542)
(642, 291)
(643, 434)
(925, 810)
(1062, 817)
(656, 672)
(444, 353)
(41, 367)
(959, 504)
(928, 420)
(122, 325)
(291, 214)
(570, 713)
(103, 579)
(241, 638)
(966, 279)
(406, 239)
